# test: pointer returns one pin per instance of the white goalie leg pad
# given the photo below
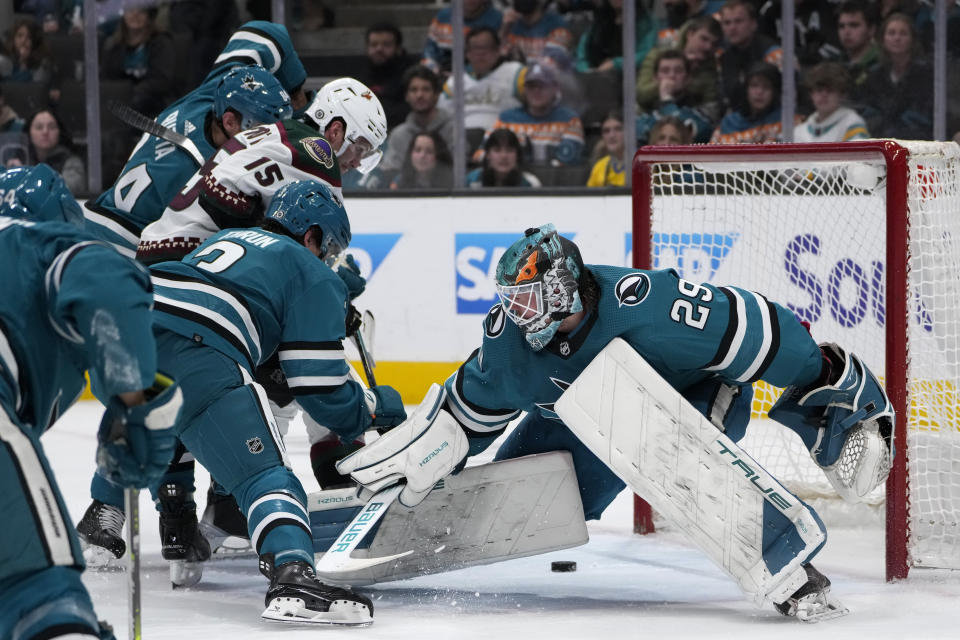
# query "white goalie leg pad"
(485, 514)
(691, 473)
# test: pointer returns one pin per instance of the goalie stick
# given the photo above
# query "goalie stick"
(141, 122)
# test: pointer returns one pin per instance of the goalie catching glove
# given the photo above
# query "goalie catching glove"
(426, 447)
(135, 444)
(846, 422)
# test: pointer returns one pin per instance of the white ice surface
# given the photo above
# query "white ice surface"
(625, 586)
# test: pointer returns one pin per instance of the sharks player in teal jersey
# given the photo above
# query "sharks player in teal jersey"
(709, 343)
(241, 296)
(70, 304)
(208, 116)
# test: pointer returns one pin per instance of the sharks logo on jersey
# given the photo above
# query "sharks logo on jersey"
(493, 325)
(632, 289)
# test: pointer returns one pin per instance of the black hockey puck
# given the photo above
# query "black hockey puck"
(563, 566)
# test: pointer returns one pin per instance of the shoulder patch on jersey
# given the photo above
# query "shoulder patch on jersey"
(632, 288)
(320, 150)
(494, 323)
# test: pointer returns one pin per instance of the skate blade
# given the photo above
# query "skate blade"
(185, 574)
(344, 613)
(223, 545)
(818, 607)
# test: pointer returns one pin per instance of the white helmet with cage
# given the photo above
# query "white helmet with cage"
(361, 111)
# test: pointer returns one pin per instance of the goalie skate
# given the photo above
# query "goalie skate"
(224, 527)
(297, 597)
(101, 537)
(813, 601)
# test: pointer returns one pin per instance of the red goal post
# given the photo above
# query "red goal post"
(862, 240)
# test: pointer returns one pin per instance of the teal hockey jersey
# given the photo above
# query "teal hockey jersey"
(688, 332)
(157, 170)
(69, 304)
(249, 293)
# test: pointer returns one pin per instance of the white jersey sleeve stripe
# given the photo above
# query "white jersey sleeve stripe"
(741, 331)
(10, 362)
(234, 53)
(310, 354)
(766, 341)
(217, 318)
(317, 381)
(270, 45)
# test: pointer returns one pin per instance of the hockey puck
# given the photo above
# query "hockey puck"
(563, 566)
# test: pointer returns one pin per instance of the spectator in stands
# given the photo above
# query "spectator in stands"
(140, 52)
(670, 130)
(601, 45)
(815, 28)
(898, 92)
(856, 30)
(672, 71)
(828, 83)
(491, 85)
(26, 57)
(421, 86)
(550, 133)
(502, 163)
(49, 144)
(10, 120)
(528, 28)
(386, 62)
(437, 50)
(427, 165)
(760, 121)
(608, 168)
(678, 13)
(743, 47)
(698, 41)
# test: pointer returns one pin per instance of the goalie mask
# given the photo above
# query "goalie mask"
(255, 94)
(537, 283)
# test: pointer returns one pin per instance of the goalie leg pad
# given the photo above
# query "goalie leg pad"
(693, 475)
(535, 434)
(847, 425)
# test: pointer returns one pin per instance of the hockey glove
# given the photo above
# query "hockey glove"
(135, 444)
(354, 320)
(427, 447)
(349, 272)
(387, 409)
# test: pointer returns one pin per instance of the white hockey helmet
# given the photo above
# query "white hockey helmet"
(361, 111)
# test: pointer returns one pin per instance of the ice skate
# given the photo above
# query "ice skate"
(296, 596)
(225, 527)
(101, 536)
(812, 602)
(182, 543)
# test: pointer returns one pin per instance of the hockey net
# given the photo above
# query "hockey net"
(862, 241)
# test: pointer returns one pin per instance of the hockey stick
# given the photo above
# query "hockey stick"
(141, 122)
(132, 504)
(337, 557)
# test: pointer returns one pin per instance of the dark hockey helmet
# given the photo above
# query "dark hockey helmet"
(300, 206)
(38, 193)
(537, 283)
(254, 93)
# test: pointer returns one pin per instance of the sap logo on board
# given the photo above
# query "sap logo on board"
(370, 250)
(477, 255)
(695, 256)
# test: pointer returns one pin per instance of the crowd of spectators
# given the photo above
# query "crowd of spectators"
(542, 84)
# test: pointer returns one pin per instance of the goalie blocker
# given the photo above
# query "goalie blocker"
(700, 480)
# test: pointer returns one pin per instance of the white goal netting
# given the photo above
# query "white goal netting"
(809, 230)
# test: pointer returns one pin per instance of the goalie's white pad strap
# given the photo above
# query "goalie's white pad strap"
(485, 514)
(690, 472)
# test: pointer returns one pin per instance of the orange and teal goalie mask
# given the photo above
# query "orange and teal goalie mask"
(537, 283)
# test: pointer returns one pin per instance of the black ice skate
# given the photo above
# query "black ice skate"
(225, 526)
(100, 535)
(812, 602)
(182, 543)
(296, 596)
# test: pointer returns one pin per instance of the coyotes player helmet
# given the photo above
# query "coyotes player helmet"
(254, 93)
(537, 283)
(362, 114)
(300, 206)
(38, 193)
